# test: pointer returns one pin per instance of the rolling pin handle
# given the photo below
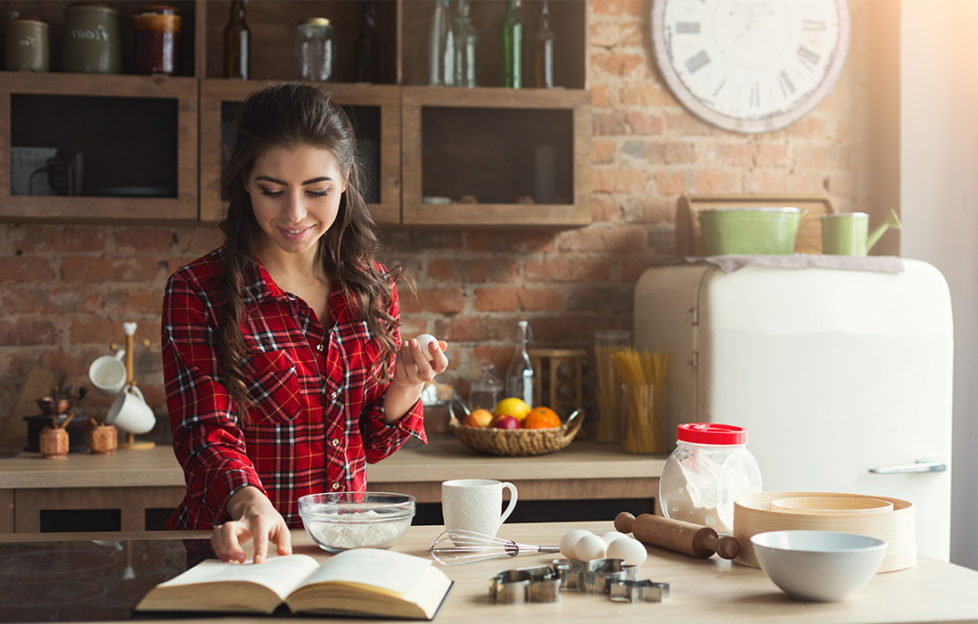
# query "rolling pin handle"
(728, 547)
(623, 522)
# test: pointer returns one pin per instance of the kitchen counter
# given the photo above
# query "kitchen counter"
(702, 590)
(135, 481)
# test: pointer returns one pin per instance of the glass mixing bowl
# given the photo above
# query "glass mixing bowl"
(342, 520)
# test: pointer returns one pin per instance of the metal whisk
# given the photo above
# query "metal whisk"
(458, 546)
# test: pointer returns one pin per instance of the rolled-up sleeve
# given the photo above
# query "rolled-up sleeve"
(381, 439)
(207, 440)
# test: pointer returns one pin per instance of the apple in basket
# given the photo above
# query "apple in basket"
(479, 418)
(506, 422)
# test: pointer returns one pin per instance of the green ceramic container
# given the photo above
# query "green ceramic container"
(765, 230)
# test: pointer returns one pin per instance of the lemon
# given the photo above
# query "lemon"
(512, 406)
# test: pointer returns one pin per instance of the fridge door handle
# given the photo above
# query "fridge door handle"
(921, 465)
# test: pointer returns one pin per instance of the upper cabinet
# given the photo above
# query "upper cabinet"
(136, 147)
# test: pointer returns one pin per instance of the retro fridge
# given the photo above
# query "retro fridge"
(842, 377)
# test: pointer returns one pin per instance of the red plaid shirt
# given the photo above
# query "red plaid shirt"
(317, 414)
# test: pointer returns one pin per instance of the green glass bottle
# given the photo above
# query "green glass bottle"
(511, 47)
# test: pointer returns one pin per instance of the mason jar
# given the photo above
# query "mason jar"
(26, 48)
(91, 39)
(157, 33)
(315, 50)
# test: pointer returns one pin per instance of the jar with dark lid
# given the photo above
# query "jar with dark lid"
(157, 30)
(27, 45)
(92, 42)
(315, 50)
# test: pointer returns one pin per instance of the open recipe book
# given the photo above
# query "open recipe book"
(362, 581)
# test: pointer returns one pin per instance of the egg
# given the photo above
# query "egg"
(423, 341)
(590, 547)
(610, 536)
(629, 549)
(568, 541)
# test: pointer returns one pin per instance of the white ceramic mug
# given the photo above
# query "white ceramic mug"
(476, 504)
(108, 373)
(129, 412)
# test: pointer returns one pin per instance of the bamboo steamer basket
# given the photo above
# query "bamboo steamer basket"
(758, 512)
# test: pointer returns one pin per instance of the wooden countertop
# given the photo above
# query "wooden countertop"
(443, 458)
(702, 590)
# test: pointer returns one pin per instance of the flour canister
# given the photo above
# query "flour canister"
(92, 43)
(27, 45)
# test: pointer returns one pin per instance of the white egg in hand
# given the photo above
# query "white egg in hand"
(590, 547)
(629, 549)
(423, 341)
(568, 541)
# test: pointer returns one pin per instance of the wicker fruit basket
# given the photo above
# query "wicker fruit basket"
(516, 441)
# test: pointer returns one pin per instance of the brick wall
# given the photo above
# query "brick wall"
(66, 289)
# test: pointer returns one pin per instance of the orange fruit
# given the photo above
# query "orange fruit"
(541, 418)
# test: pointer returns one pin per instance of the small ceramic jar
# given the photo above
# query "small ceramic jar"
(53, 443)
(92, 43)
(103, 439)
(27, 45)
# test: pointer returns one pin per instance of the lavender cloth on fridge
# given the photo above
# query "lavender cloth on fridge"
(879, 264)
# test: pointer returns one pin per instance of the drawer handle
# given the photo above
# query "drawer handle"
(921, 465)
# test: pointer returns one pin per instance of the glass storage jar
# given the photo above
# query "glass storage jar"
(707, 471)
(157, 39)
(315, 50)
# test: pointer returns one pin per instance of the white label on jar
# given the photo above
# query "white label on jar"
(27, 41)
(99, 34)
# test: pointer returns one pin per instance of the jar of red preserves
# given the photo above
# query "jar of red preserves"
(157, 32)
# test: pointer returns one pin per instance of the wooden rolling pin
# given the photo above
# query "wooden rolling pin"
(684, 537)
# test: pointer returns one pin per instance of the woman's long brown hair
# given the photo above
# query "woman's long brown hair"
(289, 115)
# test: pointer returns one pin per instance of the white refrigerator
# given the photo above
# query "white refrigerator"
(841, 377)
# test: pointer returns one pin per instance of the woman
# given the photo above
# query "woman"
(282, 356)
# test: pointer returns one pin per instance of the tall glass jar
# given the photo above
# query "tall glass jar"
(315, 50)
(486, 390)
(511, 47)
(705, 474)
(157, 39)
(610, 410)
(92, 43)
(441, 46)
(466, 43)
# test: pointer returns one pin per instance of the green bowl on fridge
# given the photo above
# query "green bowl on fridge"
(767, 230)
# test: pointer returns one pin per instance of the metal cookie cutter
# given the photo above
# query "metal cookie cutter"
(601, 572)
(538, 584)
(571, 573)
(635, 591)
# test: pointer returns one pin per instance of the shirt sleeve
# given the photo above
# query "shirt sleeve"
(381, 439)
(207, 440)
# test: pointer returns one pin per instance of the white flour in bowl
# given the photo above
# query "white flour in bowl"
(366, 529)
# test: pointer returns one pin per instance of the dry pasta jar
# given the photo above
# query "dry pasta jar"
(707, 471)
(157, 39)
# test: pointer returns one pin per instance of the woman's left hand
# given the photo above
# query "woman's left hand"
(415, 367)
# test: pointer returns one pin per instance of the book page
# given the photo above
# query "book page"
(391, 573)
(279, 574)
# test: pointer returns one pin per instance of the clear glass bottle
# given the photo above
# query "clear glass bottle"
(368, 44)
(315, 50)
(466, 43)
(544, 43)
(486, 390)
(707, 471)
(511, 47)
(519, 375)
(441, 46)
(237, 43)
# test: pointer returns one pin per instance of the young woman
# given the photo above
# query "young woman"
(284, 367)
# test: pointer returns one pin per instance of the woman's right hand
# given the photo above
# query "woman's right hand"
(254, 518)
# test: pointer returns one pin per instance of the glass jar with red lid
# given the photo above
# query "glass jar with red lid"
(707, 471)
(157, 33)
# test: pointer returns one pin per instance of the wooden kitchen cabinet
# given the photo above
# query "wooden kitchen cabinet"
(162, 159)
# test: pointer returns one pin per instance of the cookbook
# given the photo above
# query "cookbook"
(362, 581)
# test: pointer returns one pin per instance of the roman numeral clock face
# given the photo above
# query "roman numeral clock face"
(750, 65)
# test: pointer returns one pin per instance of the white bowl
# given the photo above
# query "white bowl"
(342, 520)
(821, 566)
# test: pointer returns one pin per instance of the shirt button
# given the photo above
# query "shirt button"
(334, 393)
(336, 486)
(319, 347)
(334, 442)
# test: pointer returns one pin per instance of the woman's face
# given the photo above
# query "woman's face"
(295, 194)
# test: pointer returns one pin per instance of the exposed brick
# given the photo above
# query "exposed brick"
(439, 300)
(603, 152)
(625, 238)
(473, 271)
(511, 241)
(88, 329)
(650, 209)
(716, 182)
(599, 96)
(670, 183)
(27, 331)
(565, 269)
(645, 122)
(619, 181)
(618, 8)
(608, 124)
(604, 208)
(95, 270)
(144, 240)
(45, 238)
(671, 153)
(136, 301)
(421, 239)
(778, 182)
(616, 299)
(606, 34)
(516, 299)
(23, 269)
(646, 96)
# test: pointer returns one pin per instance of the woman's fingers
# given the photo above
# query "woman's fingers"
(226, 541)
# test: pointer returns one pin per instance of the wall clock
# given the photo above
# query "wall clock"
(750, 65)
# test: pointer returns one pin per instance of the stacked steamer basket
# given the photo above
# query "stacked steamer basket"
(888, 519)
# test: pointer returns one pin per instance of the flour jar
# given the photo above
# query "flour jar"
(707, 471)
(27, 45)
(91, 39)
